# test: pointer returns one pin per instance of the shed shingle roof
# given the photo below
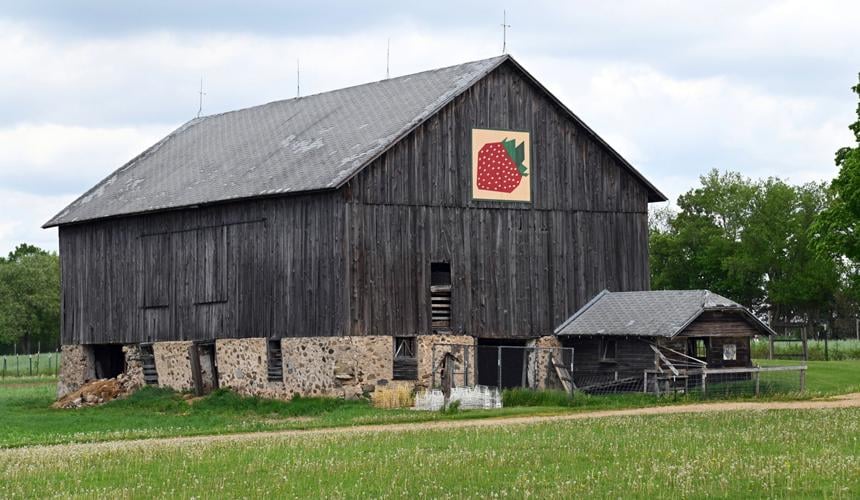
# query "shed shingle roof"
(657, 313)
(304, 144)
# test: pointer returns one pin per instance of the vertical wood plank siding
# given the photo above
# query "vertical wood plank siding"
(518, 269)
(282, 273)
(357, 260)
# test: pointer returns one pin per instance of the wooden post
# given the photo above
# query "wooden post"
(196, 372)
(770, 347)
(499, 359)
(804, 333)
(757, 377)
(704, 383)
(645, 382)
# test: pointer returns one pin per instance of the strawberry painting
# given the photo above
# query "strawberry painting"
(501, 166)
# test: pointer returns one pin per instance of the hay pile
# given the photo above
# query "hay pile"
(96, 392)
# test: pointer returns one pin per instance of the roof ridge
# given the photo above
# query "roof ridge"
(357, 85)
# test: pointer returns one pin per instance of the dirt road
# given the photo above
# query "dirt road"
(844, 401)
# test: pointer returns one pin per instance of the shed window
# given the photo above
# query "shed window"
(405, 361)
(440, 294)
(699, 348)
(211, 265)
(607, 350)
(156, 270)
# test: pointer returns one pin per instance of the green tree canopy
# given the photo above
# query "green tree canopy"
(837, 231)
(29, 297)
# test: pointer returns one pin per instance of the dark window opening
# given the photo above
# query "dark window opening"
(699, 349)
(440, 294)
(108, 360)
(211, 265)
(405, 359)
(607, 350)
(156, 270)
(275, 361)
(147, 358)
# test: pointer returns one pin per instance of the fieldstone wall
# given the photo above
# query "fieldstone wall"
(133, 366)
(337, 366)
(243, 367)
(546, 375)
(76, 367)
(453, 344)
(173, 364)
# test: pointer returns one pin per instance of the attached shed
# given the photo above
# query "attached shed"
(619, 335)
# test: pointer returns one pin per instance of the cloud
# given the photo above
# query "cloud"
(677, 88)
(62, 159)
(22, 215)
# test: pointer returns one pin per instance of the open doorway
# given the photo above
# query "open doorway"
(108, 360)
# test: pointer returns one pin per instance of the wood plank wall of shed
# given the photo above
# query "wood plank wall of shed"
(284, 273)
(519, 269)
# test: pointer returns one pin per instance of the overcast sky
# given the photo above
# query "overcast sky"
(677, 87)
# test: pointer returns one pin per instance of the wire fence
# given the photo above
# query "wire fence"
(728, 382)
(28, 365)
(501, 366)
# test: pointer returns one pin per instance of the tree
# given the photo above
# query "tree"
(29, 297)
(837, 231)
(748, 241)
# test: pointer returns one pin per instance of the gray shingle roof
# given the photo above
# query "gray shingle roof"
(303, 144)
(658, 313)
(310, 143)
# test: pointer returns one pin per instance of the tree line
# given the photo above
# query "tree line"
(29, 300)
(788, 252)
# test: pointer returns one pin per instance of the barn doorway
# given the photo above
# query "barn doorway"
(502, 363)
(108, 360)
(204, 367)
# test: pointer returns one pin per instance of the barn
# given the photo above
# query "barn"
(337, 243)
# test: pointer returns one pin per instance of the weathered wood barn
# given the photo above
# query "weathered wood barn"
(616, 337)
(323, 244)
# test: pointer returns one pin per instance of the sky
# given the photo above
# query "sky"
(677, 87)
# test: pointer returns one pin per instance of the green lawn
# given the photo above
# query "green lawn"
(800, 453)
(27, 418)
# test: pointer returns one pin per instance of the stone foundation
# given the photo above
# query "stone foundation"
(312, 366)
(76, 367)
(453, 345)
(173, 364)
(133, 366)
(546, 375)
(337, 366)
(243, 367)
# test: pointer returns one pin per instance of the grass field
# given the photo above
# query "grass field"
(28, 419)
(803, 453)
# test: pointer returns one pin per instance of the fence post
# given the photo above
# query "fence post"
(770, 347)
(4, 367)
(757, 379)
(704, 383)
(645, 381)
(500, 367)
